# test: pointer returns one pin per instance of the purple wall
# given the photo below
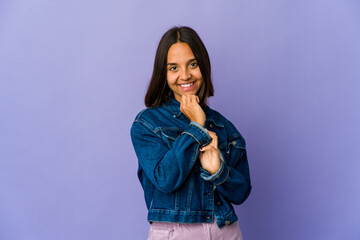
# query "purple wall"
(73, 76)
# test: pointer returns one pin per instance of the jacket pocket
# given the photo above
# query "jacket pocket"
(235, 149)
(170, 134)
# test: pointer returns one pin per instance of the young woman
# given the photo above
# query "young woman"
(192, 160)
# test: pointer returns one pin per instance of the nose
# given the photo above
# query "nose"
(185, 74)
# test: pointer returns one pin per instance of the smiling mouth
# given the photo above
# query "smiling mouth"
(187, 85)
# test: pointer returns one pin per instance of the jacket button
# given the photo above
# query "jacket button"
(234, 142)
(227, 223)
(211, 125)
(219, 203)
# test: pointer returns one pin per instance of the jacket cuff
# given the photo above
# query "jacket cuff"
(220, 176)
(199, 133)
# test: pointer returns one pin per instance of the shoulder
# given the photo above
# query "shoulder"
(150, 118)
(143, 114)
(150, 113)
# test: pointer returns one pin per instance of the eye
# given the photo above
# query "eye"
(173, 68)
(193, 64)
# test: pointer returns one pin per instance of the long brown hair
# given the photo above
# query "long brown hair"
(158, 90)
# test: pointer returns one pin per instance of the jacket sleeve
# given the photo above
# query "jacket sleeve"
(167, 168)
(232, 181)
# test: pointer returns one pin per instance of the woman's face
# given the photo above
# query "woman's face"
(183, 72)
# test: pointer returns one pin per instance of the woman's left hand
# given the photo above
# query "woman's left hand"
(209, 155)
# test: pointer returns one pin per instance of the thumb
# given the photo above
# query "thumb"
(207, 147)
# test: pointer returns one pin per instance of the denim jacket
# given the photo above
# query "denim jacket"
(176, 187)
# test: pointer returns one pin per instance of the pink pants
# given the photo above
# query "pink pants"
(198, 231)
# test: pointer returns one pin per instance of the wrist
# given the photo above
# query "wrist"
(201, 122)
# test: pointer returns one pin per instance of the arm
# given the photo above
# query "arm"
(167, 168)
(232, 180)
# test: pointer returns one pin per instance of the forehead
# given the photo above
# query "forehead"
(180, 52)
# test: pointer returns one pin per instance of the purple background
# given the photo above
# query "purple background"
(73, 75)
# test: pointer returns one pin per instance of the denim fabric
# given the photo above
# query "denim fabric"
(176, 187)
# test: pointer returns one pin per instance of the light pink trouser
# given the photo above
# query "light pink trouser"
(196, 231)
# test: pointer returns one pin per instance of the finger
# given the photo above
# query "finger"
(191, 98)
(206, 148)
(185, 102)
(211, 133)
(184, 99)
(197, 99)
(214, 137)
(215, 142)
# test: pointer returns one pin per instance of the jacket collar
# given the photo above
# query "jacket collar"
(173, 107)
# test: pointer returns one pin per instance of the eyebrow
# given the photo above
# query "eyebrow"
(193, 59)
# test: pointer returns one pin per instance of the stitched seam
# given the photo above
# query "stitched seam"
(207, 134)
(182, 212)
(235, 137)
(192, 135)
(176, 201)
(218, 124)
(226, 216)
(225, 177)
(219, 173)
(148, 126)
(188, 207)
(216, 117)
(139, 115)
(192, 179)
(168, 109)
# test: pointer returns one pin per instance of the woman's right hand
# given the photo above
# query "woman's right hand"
(189, 106)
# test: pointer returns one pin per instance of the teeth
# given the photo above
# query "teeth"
(187, 85)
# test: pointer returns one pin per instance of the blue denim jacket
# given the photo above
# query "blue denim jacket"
(176, 187)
